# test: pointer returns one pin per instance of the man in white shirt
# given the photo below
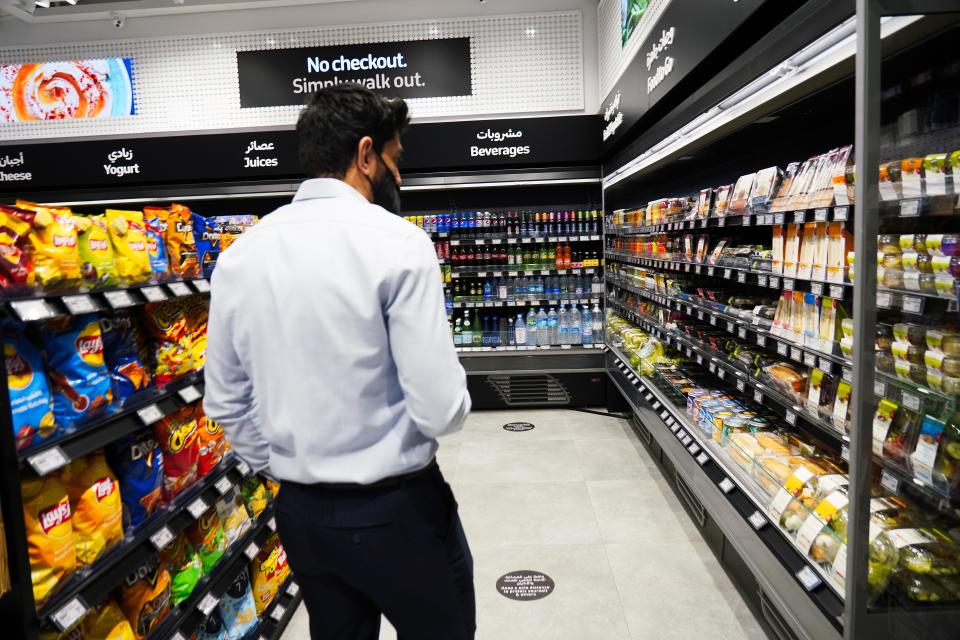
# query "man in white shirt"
(331, 367)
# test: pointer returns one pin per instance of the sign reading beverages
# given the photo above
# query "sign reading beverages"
(412, 69)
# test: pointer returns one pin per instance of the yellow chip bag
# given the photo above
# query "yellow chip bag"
(97, 509)
(268, 570)
(50, 537)
(106, 622)
(55, 248)
(129, 236)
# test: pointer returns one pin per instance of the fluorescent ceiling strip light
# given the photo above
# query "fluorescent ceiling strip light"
(829, 50)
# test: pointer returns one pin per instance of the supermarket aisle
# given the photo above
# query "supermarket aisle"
(575, 499)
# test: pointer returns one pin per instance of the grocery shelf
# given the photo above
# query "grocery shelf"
(460, 272)
(819, 214)
(540, 302)
(580, 237)
(45, 306)
(91, 586)
(562, 349)
(141, 410)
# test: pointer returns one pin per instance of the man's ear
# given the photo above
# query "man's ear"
(366, 163)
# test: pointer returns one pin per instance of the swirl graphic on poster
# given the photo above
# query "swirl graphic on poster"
(66, 90)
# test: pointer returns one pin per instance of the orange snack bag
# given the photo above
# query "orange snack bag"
(50, 536)
(212, 442)
(55, 247)
(179, 239)
(106, 622)
(177, 436)
(97, 510)
(145, 598)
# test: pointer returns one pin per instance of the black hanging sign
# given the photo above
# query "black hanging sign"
(412, 69)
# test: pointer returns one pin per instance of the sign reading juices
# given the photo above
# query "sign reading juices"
(412, 69)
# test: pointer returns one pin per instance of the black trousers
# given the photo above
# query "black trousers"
(399, 551)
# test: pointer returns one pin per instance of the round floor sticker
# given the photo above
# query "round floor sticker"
(518, 426)
(525, 585)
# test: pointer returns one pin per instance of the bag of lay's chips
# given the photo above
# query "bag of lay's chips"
(212, 627)
(233, 515)
(211, 441)
(183, 564)
(138, 462)
(16, 260)
(196, 313)
(54, 246)
(180, 241)
(129, 237)
(106, 622)
(237, 608)
(177, 435)
(268, 571)
(95, 501)
(31, 405)
(144, 597)
(156, 228)
(206, 536)
(97, 266)
(50, 537)
(206, 232)
(255, 496)
(75, 369)
(173, 353)
(122, 340)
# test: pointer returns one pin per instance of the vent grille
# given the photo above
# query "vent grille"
(527, 390)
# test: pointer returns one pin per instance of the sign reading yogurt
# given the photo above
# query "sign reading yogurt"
(412, 69)
(120, 163)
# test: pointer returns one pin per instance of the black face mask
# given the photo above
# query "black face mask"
(385, 190)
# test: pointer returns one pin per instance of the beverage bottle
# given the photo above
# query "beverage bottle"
(556, 287)
(574, 331)
(594, 223)
(518, 257)
(485, 342)
(511, 258)
(553, 322)
(487, 291)
(494, 339)
(551, 257)
(448, 301)
(502, 290)
(586, 326)
(578, 290)
(531, 337)
(520, 288)
(545, 262)
(596, 285)
(564, 325)
(597, 324)
(563, 292)
(519, 331)
(524, 223)
(457, 333)
(502, 224)
(511, 294)
(477, 331)
(558, 257)
(543, 331)
(472, 292)
(527, 263)
(502, 255)
(551, 220)
(467, 331)
(503, 331)
(541, 287)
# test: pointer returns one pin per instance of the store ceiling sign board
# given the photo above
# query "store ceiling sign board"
(411, 69)
(687, 32)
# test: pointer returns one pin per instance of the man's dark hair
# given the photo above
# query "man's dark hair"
(335, 120)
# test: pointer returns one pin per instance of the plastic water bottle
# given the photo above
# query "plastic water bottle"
(466, 337)
(543, 330)
(519, 331)
(485, 340)
(564, 324)
(553, 324)
(448, 302)
(586, 326)
(531, 337)
(597, 324)
(579, 287)
(574, 331)
(495, 332)
(501, 290)
(487, 291)
(596, 286)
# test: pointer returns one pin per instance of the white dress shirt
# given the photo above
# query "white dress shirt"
(329, 356)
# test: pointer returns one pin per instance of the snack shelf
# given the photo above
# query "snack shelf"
(691, 437)
(719, 366)
(43, 307)
(819, 214)
(143, 409)
(742, 327)
(90, 586)
(279, 612)
(580, 237)
(763, 278)
(460, 272)
(542, 350)
(184, 620)
(540, 302)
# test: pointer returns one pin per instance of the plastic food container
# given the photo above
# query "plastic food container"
(924, 263)
(944, 340)
(884, 336)
(906, 370)
(911, 332)
(911, 280)
(949, 365)
(884, 362)
(943, 285)
(892, 279)
(943, 244)
(910, 352)
(946, 264)
(889, 244)
(892, 261)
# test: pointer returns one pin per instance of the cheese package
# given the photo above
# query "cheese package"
(51, 542)
(129, 237)
(31, 405)
(54, 247)
(97, 265)
(95, 501)
(144, 597)
(76, 369)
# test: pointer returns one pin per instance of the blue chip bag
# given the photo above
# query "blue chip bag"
(76, 369)
(137, 460)
(206, 233)
(237, 608)
(122, 341)
(212, 628)
(155, 230)
(31, 405)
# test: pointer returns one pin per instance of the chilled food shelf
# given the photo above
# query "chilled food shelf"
(819, 214)
(461, 272)
(532, 350)
(543, 302)
(463, 242)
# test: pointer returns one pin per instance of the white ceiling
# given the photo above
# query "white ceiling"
(101, 9)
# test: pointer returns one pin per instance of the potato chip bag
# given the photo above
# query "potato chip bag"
(122, 339)
(156, 230)
(173, 352)
(73, 633)
(207, 537)
(183, 564)
(31, 405)
(268, 571)
(255, 496)
(206, 232)
(16, 260)
(97, 266)
(95, 501)
(180, 242)
(50, 536)
(137, 460)
(233, 515)
(211, 442)
(54, 245)
(106, 622)
(196, 313)
(145, 597)
(232, 227)
(212, 627)
(129, 237)
(76, 369)
(177, 435)
(237, 608)
(272, 486)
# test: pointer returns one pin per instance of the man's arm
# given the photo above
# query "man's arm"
(228, 395)
(433, 381)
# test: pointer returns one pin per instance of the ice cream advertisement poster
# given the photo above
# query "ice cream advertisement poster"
(68, 90)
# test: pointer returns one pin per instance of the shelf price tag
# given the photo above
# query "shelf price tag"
(909, 208)
(161, 538)
(826, 366)
(177, 636)
(67, 615)
(889, 482)
(757, 520)
(179, 288)
(774, 282)
(810, 359)
(746, 220)
(726, 485)
(808, 578)
(820, 215)
(728, 273)
(189, 394)
(762, 281)
(694, 449)
(782, 348)
(278, 612)
(721, 373)
(836, 291)
(713, 319)
(686, 440)
(741, 385)
(252, 550)
(78, 304)
(293, 590)
(742, 332)
(791, 417)
(153, 294)
(816, 288)
(742, 277)
(779, 218)
(656, 405)
(799, 217)
(46, 461)
(789, 284)
(845, 452)
(675, 427)
(703, 459)
(883, 300)
(758, 396)
(840, 214)
(223, 485)
(910, 401)
(761, 341)
(730, 326)
(31, 310)
(272, 523)
(796, 354)
(149, 414)
(197, 508)
(912, 304)
(243, 468)
(118, 299)
(207, 603)
(721, 222)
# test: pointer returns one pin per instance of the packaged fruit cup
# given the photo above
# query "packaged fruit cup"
(941, 244)
(945, 340)
(910, 332)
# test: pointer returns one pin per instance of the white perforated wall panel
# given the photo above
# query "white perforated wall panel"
(614, 57)
(523, 63)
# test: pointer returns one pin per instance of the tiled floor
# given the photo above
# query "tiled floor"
(578, 499)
